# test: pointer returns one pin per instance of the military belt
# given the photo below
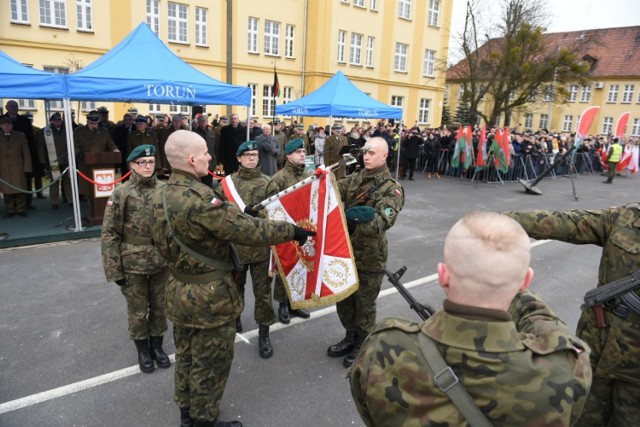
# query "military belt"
(199, 278)
(137, 240)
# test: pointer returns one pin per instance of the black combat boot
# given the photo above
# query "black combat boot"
(300, 313)
(283, 313)
(343, 347)
(351, 357)
(158, 354)
(238, 325)
(185, 418)
(216, 423)
(264, 343)
(144, 357)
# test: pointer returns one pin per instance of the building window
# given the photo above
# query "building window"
(429, 66)
(83, 15)
(153, 15)
(635, 129)
(567, 123)
(178, 23)
(400, 59)
(613, 93)
(586, 94)
(461, 92)
(268, 102)
(607, 125)
(87, 106)
(287, 95)
(20, 11)
(253, 35)
(56, 105)
(548, 94)
(373, 5)
(370, 43)
(544, 121)
(53, 13)
(512, 95)
(342, 38)
(423, 111)
(404, 9)
(26, 104)
(254, 98)
(288, 42)
(201, 26)
(356, 49)
(573, 93)
(528, 121)
(434, 12)
(155, 108)
(396, 101)
(271, 38)
(359, 3)
(627, 95)
(179, 109)
(445, 95)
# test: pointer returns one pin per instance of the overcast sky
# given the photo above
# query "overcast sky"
(565, 15)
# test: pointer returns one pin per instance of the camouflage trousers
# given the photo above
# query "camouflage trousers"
(614, 398)
(203, 362)
(146, 304)
(263, 312)
(279, 292)
(357, 313)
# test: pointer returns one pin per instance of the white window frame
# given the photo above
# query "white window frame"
(548, 93)
(342, 45)
(287, 96)
(355, 51)
(20, 11)
(461, 92)
(153, 15)
(567, 123)
(202, 16)
(178, 19)
(404, 9)
(445, 95)
(528, 120)
(155, 108)
(185, 110)
(84, 15)
(289, 41)
(53, 13)
(268, 101)
(434, 13)
(56, 105)
(252, 33)
(369, 54)
(254, 99)
(400, 57)
(627, 94)
(635, 127)
(544, 121)
(26, 104)
(573, 93)
(358, 3)
(429, 63)
(607, 125)
(612, 96)
(397, 101)
(424, 110)
(585, 96)
(373, 5)
(87, 105)
(271, 38)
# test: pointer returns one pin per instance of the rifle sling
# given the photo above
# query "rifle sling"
(217, 264)
(449, 383)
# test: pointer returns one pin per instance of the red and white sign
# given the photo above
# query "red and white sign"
(104, 179)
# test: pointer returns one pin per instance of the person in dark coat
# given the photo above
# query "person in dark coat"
(230, 139)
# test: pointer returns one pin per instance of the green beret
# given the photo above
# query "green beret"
(293, 145)
(161, 116)
(93, 116)
(300, 126)
(247, 146)
(276, 121)
(360, 214)
(146, 150)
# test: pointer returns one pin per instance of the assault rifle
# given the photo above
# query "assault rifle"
(425, 311)
(621, 288)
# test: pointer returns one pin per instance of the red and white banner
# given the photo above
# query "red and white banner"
(322, 271)
(629, 159)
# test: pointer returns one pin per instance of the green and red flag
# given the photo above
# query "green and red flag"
(482, 149)
(455, 160)
(497, 148)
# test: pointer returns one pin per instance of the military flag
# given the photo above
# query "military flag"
(629, 159)
(499, 158)
(322, 271)
(482, 149)
(460, 147)
(276, 84)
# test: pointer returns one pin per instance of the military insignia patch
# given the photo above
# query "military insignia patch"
(389, 212)
(215, 201)
(398, 192)
(109, 203)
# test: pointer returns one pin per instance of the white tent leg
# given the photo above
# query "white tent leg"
(71, 154)
(398, 152)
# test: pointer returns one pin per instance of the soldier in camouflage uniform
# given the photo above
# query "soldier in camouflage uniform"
(131, 261)
(202, 298)
(614, 399)
(516, 359)
(372, 202)
(332, 147)
(248, 187)
(292, 173)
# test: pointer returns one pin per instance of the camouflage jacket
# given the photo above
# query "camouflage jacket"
(206, 225)
(290, 174)
(125, 228)
(528, 371)
(387, 200)
(253, 186)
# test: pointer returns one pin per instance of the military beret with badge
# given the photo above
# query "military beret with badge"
(93, 116)
(146, 150)
(293, 145)
(247, 146)
(140, 119)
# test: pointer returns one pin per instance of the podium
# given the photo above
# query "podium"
(101, 164)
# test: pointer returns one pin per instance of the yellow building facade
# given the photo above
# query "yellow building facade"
(388, 49)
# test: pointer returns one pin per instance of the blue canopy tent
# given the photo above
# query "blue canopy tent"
(142, 69)
(20, 81)
(338, 97)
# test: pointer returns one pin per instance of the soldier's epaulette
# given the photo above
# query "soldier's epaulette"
(396, 323)
(203, 191)
(553, 342)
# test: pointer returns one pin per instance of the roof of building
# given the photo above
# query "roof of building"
(613, 52)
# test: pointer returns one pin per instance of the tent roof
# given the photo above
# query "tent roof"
(20, 81)
(338, 97)
(142, 69)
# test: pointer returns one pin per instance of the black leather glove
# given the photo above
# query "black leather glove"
(121, 282)
(351, 226)
(300, 234)
(250, 210)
